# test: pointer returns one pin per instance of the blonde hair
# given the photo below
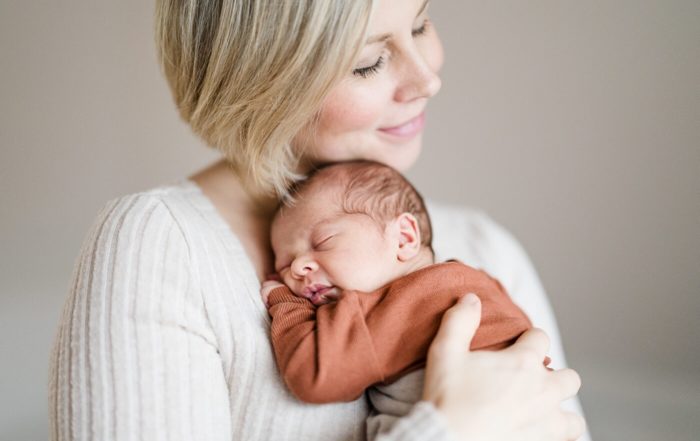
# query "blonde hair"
(247, 75)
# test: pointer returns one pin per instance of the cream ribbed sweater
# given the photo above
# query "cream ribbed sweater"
(164, 335)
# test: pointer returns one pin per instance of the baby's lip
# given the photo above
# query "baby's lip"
(315, 289)
(320, 294)
(322, 299)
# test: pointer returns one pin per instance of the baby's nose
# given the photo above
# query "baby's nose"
(303, 266)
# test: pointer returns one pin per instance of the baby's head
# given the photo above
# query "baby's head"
(352, 226)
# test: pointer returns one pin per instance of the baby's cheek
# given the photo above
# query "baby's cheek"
(356, 272)
(288, 280)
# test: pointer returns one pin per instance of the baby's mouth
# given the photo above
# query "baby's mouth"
(320, 294)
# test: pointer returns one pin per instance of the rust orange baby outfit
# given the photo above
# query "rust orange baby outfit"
(336, 351)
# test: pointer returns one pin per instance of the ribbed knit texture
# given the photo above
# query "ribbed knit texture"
(164, 335)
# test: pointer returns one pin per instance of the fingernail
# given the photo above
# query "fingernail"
(470, 298)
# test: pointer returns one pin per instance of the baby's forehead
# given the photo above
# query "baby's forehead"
(315, 197)
(309, 207)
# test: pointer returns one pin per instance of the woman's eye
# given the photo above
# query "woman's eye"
(421, 30)
(368, 71)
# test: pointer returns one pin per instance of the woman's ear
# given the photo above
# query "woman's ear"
(409, 237)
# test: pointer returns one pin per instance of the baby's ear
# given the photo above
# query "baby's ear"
(409, 237)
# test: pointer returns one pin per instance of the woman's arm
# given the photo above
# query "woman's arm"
(134, 356)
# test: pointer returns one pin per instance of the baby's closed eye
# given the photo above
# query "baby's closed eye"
(324, 242)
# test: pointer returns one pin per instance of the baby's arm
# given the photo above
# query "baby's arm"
(324, 354)
(334, 352)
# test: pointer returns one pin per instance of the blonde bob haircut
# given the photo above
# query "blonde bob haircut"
(247, 75)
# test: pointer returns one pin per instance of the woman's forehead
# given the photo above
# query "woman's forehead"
(389, 15)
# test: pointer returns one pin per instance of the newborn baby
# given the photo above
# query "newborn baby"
(362, 296)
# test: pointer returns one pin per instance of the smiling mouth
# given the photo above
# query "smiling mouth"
(408, 129)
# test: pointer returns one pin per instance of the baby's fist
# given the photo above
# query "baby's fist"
(267, 287)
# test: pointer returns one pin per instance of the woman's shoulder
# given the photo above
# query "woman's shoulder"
(168, 226)
(137, 223)
(167, 202)
(180, 206)
(475, 238)
(468, 234)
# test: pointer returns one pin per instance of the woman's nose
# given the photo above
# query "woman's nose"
(303, 265)
(419, 80)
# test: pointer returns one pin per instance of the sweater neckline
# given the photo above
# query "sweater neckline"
(214, 218)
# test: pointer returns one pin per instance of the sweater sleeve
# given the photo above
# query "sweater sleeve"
(422, 423)
(135, 357)
(335, 352)
(324, 354)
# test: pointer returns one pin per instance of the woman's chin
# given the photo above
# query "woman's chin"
(403, 156)
(398, 155)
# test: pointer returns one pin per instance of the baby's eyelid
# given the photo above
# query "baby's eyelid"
(324, 240)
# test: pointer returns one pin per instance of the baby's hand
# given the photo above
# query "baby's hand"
(267, 287)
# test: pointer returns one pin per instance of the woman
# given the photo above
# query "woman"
(164, 335)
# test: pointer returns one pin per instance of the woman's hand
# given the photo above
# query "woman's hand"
(498, 395)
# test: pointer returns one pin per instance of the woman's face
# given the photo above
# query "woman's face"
(378, 111)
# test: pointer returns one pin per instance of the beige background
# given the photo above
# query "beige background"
(574, 123)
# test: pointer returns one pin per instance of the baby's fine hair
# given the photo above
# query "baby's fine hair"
(373, 189)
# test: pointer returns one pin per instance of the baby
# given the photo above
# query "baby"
(362, 296)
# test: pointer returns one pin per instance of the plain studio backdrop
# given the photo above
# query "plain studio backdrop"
(576, 124)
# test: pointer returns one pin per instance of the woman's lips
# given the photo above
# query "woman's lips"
(408, 129)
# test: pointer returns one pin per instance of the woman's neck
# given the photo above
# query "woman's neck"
(222, 181)
(248, 215)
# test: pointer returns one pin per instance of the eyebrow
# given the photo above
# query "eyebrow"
(328, 221)
(385, 37)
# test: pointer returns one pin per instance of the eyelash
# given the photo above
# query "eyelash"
(320, 243)
(421, 30)
(366, 72)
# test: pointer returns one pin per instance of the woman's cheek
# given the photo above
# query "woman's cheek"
(352, 108)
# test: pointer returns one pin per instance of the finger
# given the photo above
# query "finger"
(565, 383)
(532, 345)
(574, 426)
(554, 425)
(458, 326)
